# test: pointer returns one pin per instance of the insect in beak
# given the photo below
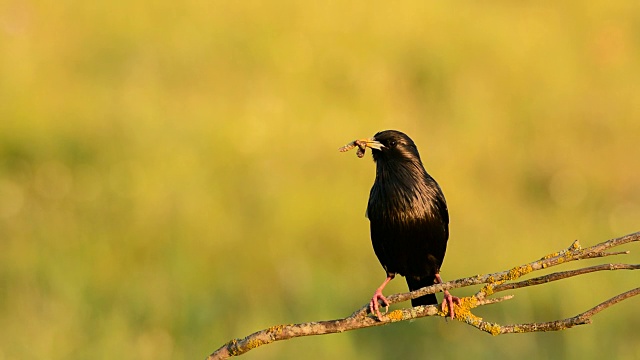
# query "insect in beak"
(362, 145)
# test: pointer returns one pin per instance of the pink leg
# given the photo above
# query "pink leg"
(448, 298)
(374, 307)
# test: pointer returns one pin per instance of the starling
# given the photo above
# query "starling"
(408, 217)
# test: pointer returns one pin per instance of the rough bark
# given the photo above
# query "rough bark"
(493, 283)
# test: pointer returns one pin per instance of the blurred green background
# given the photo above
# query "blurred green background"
(170, 180)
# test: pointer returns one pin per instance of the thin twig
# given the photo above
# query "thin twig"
(563, 275)
(580, 319)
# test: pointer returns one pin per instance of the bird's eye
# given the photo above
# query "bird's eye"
(392, 143)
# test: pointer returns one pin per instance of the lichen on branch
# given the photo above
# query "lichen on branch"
(493, 283)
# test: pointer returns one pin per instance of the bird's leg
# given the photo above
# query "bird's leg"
(374, 307)
(448, 298)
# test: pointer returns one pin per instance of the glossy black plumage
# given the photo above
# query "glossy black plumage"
(408, 214)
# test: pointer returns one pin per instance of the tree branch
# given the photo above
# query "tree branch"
(499, 281)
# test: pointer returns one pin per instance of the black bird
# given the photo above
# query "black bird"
(408, 217)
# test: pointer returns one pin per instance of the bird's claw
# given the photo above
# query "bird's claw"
(448, 303)
(374, 306)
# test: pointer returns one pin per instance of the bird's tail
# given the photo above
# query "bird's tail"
(418, 283)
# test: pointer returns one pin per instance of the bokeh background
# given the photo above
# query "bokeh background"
(170, 180)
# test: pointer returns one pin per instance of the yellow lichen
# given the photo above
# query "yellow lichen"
(493, 329)
(518, 329)
(463, 310)
(519, 271)
(568, 256)
(487, 289)
(395, 315)
(232, 346)
(472, 319)
(552, 255)
(275, 329)
(468, 302)
(463, 313)
(254, 343)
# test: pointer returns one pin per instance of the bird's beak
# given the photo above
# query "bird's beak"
(371, 143)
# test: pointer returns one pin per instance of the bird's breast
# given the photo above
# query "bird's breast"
(397, 204)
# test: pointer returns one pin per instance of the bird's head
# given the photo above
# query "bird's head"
(393, 145)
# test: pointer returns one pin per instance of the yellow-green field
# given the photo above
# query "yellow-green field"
(170, 180)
